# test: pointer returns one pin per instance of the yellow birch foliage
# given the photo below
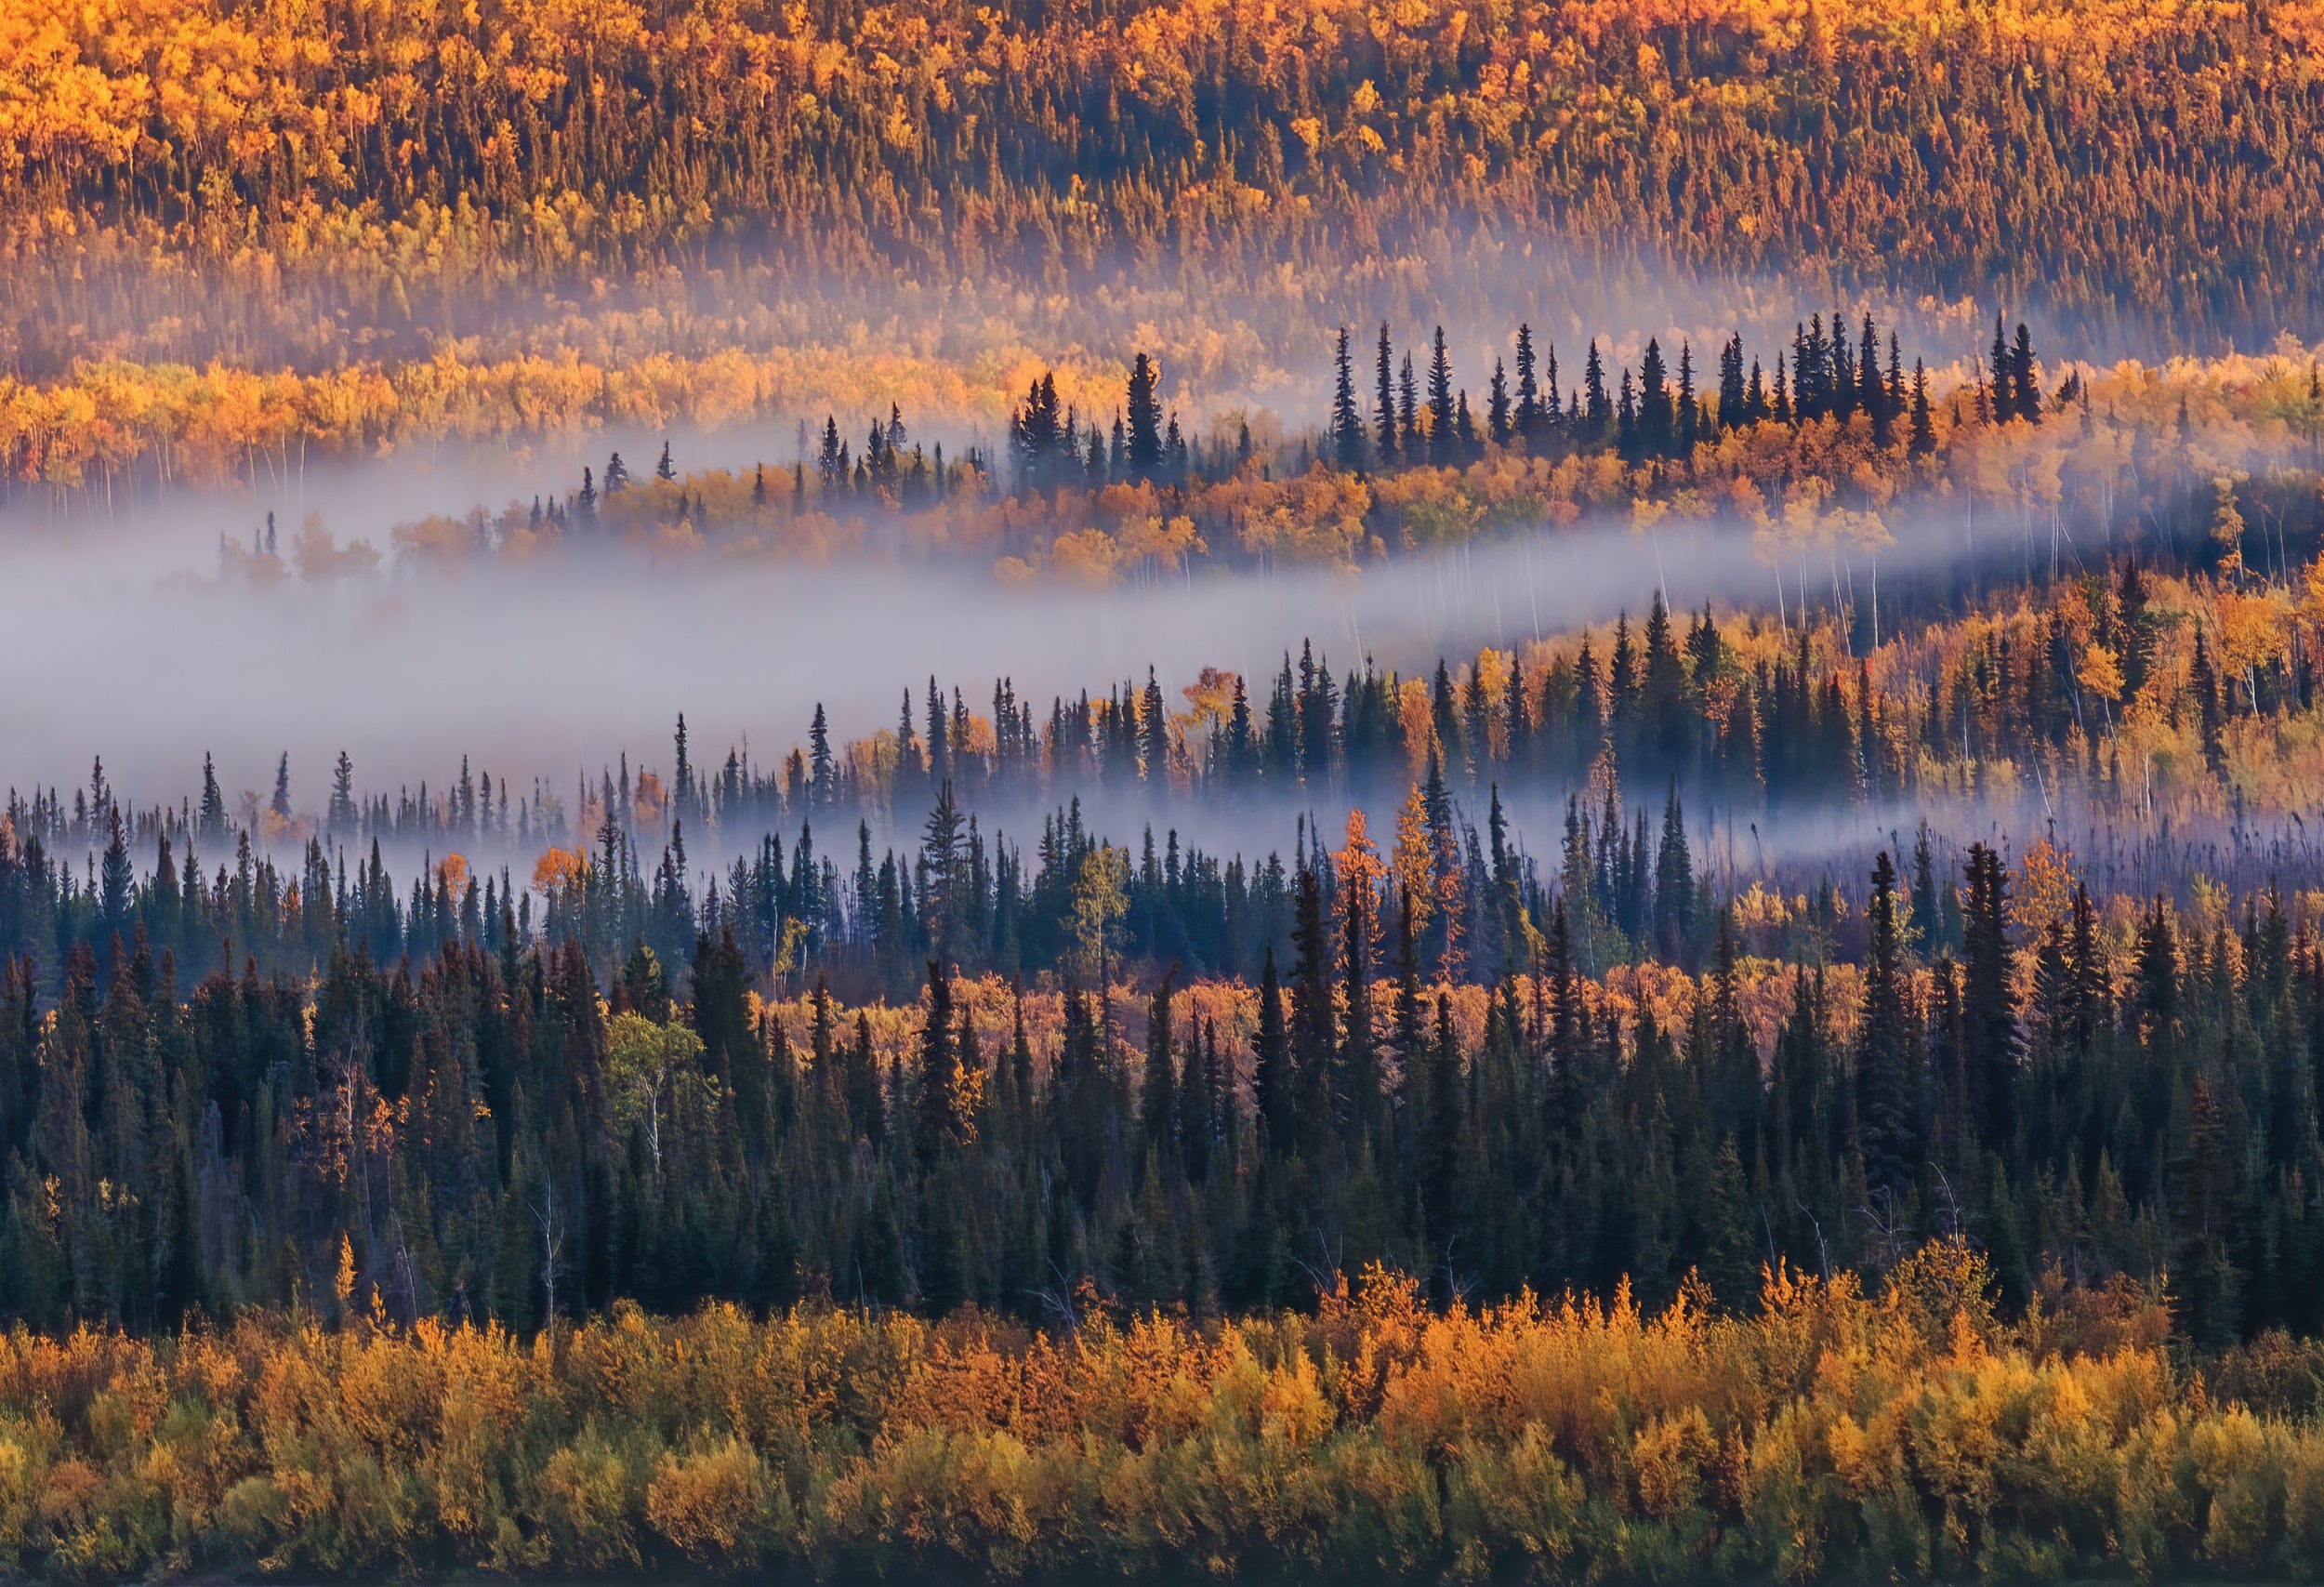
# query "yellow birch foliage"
(1828, 1430)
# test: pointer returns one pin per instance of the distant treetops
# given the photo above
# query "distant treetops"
(326, 180)
(1657, 414)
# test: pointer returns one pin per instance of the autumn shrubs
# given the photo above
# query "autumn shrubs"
(1829, 1433)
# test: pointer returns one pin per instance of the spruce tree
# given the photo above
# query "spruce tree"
(1312, 1020)
(1998, 381)
(1656, 430)
(1198, 1100)
(1272, 1081)
(1145, 419)
(2024, 383)
(1887, 1103)
(1445, 1146)
(2207, 1289)
(2158, 966)
(213, 818)
(1157, 1110)
(1384, 425)
(1988, 1007)
(1810, 367)
(1920, 439)
(1733, 412)
(1871, 396)
(940, 1084)
(342, 815)
(1597, 409)
(2203, 684)
(1690, 417)
(1442, 436)
(1356, 1082)
(1528, 418)
(1839, 388)
(1347, 424)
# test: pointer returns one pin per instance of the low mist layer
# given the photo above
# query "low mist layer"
(546, 672)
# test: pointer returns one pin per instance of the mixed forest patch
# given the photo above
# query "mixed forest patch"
(1820, 1081)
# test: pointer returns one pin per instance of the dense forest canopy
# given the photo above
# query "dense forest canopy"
(1816, 1069)
(1119, 1094)
(343, 182)
(2066, 848)
(2059, 778)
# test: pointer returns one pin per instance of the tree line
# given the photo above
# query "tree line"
(951, 1070)
(424, 174)
(490, 1129)
(1823, 461)
(2144, 706)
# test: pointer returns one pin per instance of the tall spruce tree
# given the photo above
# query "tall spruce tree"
(1145, 419)
(1989, 1006)
(1347, 423)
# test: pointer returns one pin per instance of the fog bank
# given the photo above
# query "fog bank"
(546, 669)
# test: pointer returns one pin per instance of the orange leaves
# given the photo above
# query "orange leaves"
(1672, 1460)
(321, 559)
(1413, 861)
(440, 542)
(2101, 673)
(2041, 894)
(1209, 703)
(1292, 1410)
(1581, 1434)
(1085, 558)
(558, 869)
(649, 800)
(1316, 519)
(2253, 625)
(1159, 544)
(219, 424)
(1359, 866)
(296, 108)
(707, 1505)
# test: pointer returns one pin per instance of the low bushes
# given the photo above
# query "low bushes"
(1827, 1433)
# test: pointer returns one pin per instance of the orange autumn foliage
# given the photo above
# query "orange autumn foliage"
(1828, 1430)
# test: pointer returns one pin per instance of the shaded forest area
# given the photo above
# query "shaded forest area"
(952, 1069)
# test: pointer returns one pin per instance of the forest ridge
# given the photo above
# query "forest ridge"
(1819, 1078)
(335, 182)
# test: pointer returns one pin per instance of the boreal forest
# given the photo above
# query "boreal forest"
(1162, 787)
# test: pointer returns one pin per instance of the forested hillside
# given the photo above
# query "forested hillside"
(1810, 1066)
(916, 1025)
(1824, 450)
(252, 182)
(587, 213)
(956, 1061)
